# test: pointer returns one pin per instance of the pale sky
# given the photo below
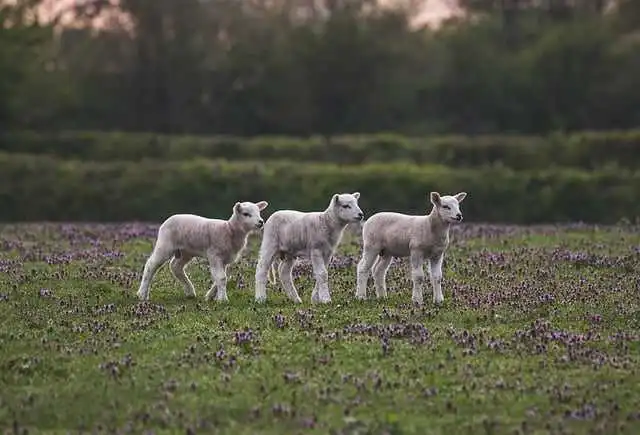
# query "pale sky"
(434, 11)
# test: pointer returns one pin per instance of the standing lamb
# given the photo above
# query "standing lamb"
(386, 235)
(290, 234)
(185, 236)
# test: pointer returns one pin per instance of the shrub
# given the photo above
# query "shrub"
(45, 188)
(580, 150)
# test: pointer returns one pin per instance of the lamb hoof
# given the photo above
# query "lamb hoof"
(142, 296)
(224, 299)
(261, 299)
(417, 301)
(361, 297)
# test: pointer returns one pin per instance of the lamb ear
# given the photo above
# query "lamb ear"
(435, 199)
(460, 196)
(356, 195)
(237, 207)
(262, 205)
(336, 199)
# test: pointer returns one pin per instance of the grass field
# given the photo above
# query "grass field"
(539, 333)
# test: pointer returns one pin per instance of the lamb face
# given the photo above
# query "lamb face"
(345, 207)
(247, 214)
(448, 207)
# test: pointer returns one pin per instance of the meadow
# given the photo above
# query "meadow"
(539, 333)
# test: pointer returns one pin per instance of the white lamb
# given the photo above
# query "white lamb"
(291, 234)
(185, 236)
(273, 271)
(386, 235)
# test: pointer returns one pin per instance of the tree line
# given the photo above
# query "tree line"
(328, 67)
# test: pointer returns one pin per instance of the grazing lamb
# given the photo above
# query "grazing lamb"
(291, 234)
(386, 235)
(185, 236)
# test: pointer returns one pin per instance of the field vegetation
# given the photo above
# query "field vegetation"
(539, 333)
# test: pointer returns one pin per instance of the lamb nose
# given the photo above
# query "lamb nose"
(459, 216)
(360, 215)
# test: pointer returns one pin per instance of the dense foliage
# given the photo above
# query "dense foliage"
(42, 187)
(532, 110)
(579, 150)
(324, 67)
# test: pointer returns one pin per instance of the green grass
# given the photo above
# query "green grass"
(539, 333)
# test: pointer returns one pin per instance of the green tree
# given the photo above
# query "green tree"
(22, 40)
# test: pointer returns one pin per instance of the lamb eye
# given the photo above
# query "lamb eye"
(446, 207)
(246, 214)
(346, 206)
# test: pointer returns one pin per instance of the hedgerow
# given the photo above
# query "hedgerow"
(46, 188)
(580, 150)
